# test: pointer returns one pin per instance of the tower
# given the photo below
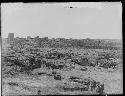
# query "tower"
(10, 37)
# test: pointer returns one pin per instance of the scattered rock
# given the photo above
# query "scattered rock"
(57, 77)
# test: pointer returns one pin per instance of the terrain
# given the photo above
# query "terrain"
(31, 70)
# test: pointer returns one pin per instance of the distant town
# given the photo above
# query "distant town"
(63, 42)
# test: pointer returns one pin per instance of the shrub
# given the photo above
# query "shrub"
(57, 77)
(93, 85)
(81, 61)
(100, 88)
(107, 63)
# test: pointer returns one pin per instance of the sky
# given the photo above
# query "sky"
(101, 20)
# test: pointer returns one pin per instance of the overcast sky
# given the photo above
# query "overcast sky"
(57, 20)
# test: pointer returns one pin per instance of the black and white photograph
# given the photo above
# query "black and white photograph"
(61, 48)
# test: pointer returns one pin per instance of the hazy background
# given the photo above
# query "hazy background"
(54, 20)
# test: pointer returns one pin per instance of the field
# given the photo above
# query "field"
(56, 71)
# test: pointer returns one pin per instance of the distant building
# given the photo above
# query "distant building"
(53, 38)
(87, 38)
(60, 39)
(45, 39)
(10, 37)
(28, 37)
(37, 41)
(37, 37)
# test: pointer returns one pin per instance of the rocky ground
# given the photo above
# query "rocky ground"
(77, 76)
(48, 84)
